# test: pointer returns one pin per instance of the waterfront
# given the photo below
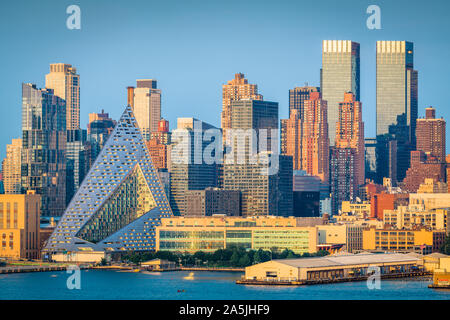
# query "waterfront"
(109, 284)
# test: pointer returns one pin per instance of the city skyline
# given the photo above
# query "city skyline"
(187, 98)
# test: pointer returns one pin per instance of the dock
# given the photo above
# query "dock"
(36, 268)
(329, 281)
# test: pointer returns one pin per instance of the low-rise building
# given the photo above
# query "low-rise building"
(412, 216)
(430, 200)
(421, 240)
(349, 235)
(191, 234)
(331, 267)
(359, 209)
(19, 225)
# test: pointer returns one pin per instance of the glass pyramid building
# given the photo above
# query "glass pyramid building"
(120, 201)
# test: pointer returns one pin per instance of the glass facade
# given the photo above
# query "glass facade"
(397, 85)
(340, 74)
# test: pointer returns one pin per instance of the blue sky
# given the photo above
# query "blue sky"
(193, 47)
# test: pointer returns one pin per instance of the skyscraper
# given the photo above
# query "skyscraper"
(315, 143)
(255, 115)
(339, 74)
(350, 132)
(188, 170)
(11, 168)
(297, 97)
(43, 147)
(146, 105)
(99, 128)
(291, 138)
(234, 90)
(430, 133)
(120, 201)
(76, 157)
(397, 98)
(347, 157)
(65, 82)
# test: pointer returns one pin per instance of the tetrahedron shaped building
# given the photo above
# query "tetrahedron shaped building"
(120, 201)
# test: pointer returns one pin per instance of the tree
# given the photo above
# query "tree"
(244, 261)
(445, 249)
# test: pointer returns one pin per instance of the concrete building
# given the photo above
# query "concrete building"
(297, 97)
(315, 142)
(146, 105)
(291, 138)
(359, 209)
(430, 200)
(422, 241)
(213, 201)
(348, 235)
(386, 201)
(191, 234)
(19, 225)
(188, 170)
(12, 166)
(431, 186)
(423, 166)
(413, 216)
(65, 83)
(235, 90)
(44, 147)
(330, 267)
(340, 73)
(430, 133)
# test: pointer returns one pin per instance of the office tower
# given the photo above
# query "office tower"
(255, 115)
(315, 143)
(12, 166)
(188, 170)
(386, 159)
(370, 165)
(145, 101)
(347, 157)
(309, 192)
(212, 201)
(19, 225)
(234, 90)
(43, 147)
(120, 201)
(104, 119)
(76, 158)
(343, 184)
(291, 138)
(65, 82)
(430, 133)
(397, 98)
(261, 194)
(423, 166)
(339, 74)
(297, 97)
(350, 132)
(99, 128)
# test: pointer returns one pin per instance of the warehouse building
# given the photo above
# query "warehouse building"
(331, 267)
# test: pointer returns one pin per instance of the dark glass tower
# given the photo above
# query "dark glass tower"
(397, 99)
(43, 147)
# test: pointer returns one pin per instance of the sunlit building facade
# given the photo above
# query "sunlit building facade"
(340, 74)
(208, 234)
(12, 166)
(65, 82)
